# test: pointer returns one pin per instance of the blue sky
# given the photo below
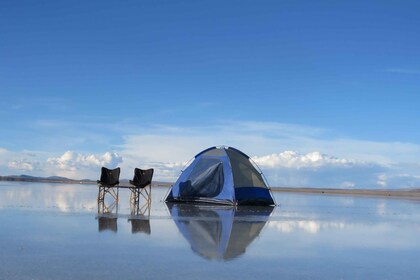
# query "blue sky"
(320, 93)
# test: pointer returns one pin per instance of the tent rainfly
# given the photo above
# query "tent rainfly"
(222, 175)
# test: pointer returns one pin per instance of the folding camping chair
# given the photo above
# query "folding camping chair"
(141, 185)
(109, 183)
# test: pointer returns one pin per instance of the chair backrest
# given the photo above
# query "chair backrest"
(142, 177)
(110, 176)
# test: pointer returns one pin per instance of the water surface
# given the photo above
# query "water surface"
(54, 231)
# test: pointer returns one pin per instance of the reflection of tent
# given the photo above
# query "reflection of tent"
(219, 232)
(221, 175)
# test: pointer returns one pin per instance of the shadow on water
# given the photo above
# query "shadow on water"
(219, 232)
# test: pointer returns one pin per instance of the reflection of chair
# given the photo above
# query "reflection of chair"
(141, 185)
(140, 225)
(107, 223)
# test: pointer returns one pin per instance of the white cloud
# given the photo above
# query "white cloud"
(168, 172)
(382, 180)
(289, 155)
(21, 165)
(292, 159)
(21, 161)
(314, 169)
(72, 161)
(69, 164)
(73, 164)
(320, 162)
(173, 144)
(393, 179)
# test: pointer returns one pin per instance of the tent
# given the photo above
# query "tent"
(221, 175)
(219, 232)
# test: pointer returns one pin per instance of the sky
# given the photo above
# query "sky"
(317, 93)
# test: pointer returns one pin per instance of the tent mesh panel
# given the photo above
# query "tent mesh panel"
(206, 179)
(244, 173)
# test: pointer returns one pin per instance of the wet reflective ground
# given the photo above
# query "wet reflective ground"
(52, 231)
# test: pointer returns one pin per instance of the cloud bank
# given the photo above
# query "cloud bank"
(73, 161)
(290, 168)
(284, 169)
(292, 159)
(69, 164)
(289, 155)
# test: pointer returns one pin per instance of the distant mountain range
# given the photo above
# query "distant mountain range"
(64, 180)
(51, 179)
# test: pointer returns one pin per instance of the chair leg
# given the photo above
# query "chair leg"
(146, 192)
(150, 193)
(102, 207)
(114, 193)
(145, 209)
(118, 191)
(101, 193)
(134, 201)
(134, 198)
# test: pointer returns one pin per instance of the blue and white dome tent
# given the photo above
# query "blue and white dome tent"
(222, 175)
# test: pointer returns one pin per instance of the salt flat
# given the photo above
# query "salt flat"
(54, 231)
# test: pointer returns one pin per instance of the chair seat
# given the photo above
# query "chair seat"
(134, 186)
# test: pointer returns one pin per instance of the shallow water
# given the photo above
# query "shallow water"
(54, 231)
